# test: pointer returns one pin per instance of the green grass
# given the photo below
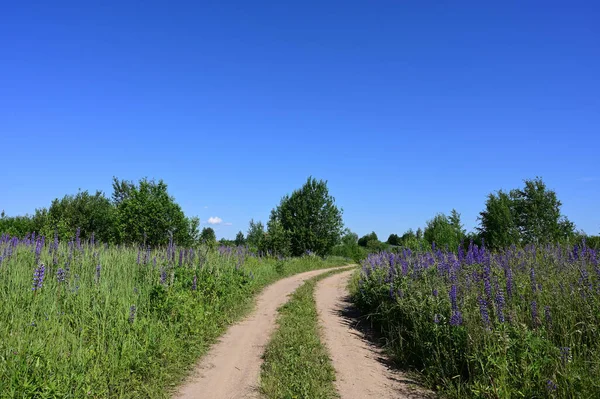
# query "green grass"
(296, 363)
(120, 332)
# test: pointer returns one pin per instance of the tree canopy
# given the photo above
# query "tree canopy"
(306, 220)
(525, 215)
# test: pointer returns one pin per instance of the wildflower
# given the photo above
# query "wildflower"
(98, 268)
(483, 309)
(453, 299)
(195, 283)
(456, 319)
(436, 319)
(38, 277)
(499, 299)
(163, 276)
(565, 354)
(132, 311)
(61, 275)
(551, 386)
(435, 293)
(534, 312)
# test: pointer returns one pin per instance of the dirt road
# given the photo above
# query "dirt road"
(231, 369)
(360, 366)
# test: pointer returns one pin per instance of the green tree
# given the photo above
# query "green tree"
(255, 236)
(310, 218)
(538, 214)
(92, 214)
(394, 239)
(349, 238)
(442, 232)
(277, 239)
(20, 226)
(364, 240)
(208, 236)
(349, 248)
(419, 233)
(146, 213)
(498, 222)
(239, 239)
(526, 215)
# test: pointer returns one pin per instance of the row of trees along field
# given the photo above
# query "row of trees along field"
(307, 221)
(142, 213)
(527, 215)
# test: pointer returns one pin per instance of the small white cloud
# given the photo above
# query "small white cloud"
(215, 220)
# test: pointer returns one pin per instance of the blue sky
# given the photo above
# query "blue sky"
(406, 108)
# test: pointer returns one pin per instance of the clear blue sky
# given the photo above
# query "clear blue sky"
(406, 108)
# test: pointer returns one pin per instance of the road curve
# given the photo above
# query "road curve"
(231, 368)
(359, 365)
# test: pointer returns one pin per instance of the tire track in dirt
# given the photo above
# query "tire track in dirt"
(231, 368)
(361, 370)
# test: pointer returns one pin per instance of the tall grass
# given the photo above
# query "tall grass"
(86, 320)
(516, 323)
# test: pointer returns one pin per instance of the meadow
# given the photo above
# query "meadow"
(85, 319)
(481, 324)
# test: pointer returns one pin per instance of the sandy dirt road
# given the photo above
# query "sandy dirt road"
(231, 368)
(360, 366)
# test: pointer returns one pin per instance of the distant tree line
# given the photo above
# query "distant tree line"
(305, 222)
(527, 215)
(141, 213)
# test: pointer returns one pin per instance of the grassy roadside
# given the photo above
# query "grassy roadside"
(116, 322)
(297, 364)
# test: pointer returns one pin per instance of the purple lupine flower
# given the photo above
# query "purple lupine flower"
(453, 299)
(154, 262)
(456, 319)
(163, 276)
(195, 283)
(565, 354)
(533, 283)
(551, 386)
(98, 268)
(509, 283)
(483, 309)
(132, 311)
(38, 248)
(436, 319)
(61, 275)
(499, 299)
(534, 312)
(435, 293)
(38, 277)
(93, 239)
(392, 296)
